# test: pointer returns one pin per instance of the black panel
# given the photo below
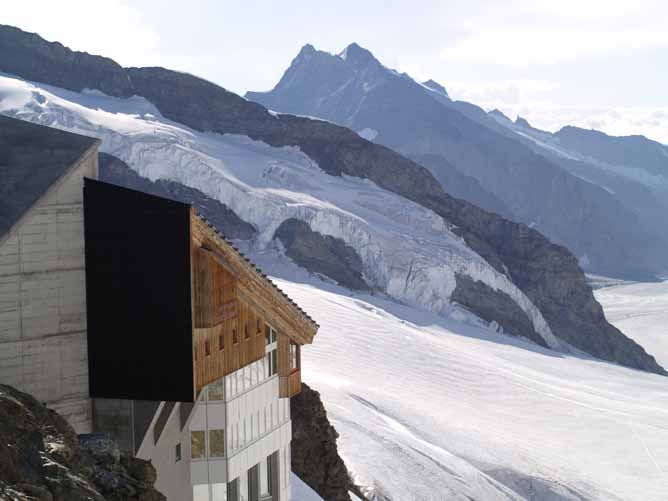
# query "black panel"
(142, 415)
(162, 420)
(185, 409)
(138, 295)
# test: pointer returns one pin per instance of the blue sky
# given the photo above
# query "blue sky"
(592, 63)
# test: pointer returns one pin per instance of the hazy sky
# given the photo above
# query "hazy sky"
(592, 63)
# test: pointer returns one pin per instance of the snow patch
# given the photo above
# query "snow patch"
(368, 134)
(408, 251)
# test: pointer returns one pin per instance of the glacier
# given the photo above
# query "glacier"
(409, 252)
(429, 401)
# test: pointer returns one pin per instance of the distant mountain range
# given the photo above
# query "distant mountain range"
(476, 158)
(333, 202)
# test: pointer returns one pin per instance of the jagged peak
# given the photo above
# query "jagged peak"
(522, 122)
(307, 49)
(435, 86)
(358, 56)
(499, 114)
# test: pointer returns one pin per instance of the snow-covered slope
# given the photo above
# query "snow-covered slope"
(408, 251)
(430, 408)
(641, 311)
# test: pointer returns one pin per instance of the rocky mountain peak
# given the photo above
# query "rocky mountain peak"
(522, 122)
(358, 57)
(435, 86)
(497, 113)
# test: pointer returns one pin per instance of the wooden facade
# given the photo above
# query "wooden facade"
(232, 302)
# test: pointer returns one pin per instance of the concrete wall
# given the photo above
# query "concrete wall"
(42, 300)
(173, 476)
(256, 423)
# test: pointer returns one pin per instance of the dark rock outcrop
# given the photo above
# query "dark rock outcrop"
(41, 459)
(460, 185)
(322, 254)
(546, 272)
(493, 305)
(315, 458)
(115, 171)
(32, 57)
(362, 94)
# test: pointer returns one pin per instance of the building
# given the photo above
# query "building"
(42, 283)
(132, 316)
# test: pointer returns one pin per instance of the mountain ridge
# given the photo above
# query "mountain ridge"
(545, 272)
(605, 234)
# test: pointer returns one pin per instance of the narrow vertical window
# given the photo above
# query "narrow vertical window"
(216, 443)
(246, 333)
(207, 348)
(295, 358)
(197, 446)
(177, 453)
(258, 329)
(235, 338)
(221, 342)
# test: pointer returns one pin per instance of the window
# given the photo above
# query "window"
(246, 333)
(271, 362)
(235, 338)
(217, 390)
(207, 348)
(197, 448)
(295, 358)
(258, 329)
(267, 335)
(216, 443)
(177, 453)
(265, 478)
(221, 342)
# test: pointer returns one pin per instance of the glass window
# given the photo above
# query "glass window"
(217, 443)
(221, 342)
(217, 390)
(265, 478)
(267, 334)
(207, 348)
(294, 356)
(177, 453)
(274, 364)
(197, 447)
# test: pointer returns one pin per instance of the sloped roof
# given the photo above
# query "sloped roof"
(32, 158)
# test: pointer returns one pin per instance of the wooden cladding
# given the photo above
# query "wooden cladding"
(290, 379)
(232, 302)
(291, 385)
(215, 290)
(222, 359)
(251, 285)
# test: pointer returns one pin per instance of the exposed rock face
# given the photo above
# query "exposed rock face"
(115, 171)
(41, 459)
(322, 254)
(547, 273)
(460, 185)
(29, 55)
(497, 306)
(315, 458)
(360, 93)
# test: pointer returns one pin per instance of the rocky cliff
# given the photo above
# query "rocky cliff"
(41, 459)
(355, 90)
(315, 458)
(548, 274)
